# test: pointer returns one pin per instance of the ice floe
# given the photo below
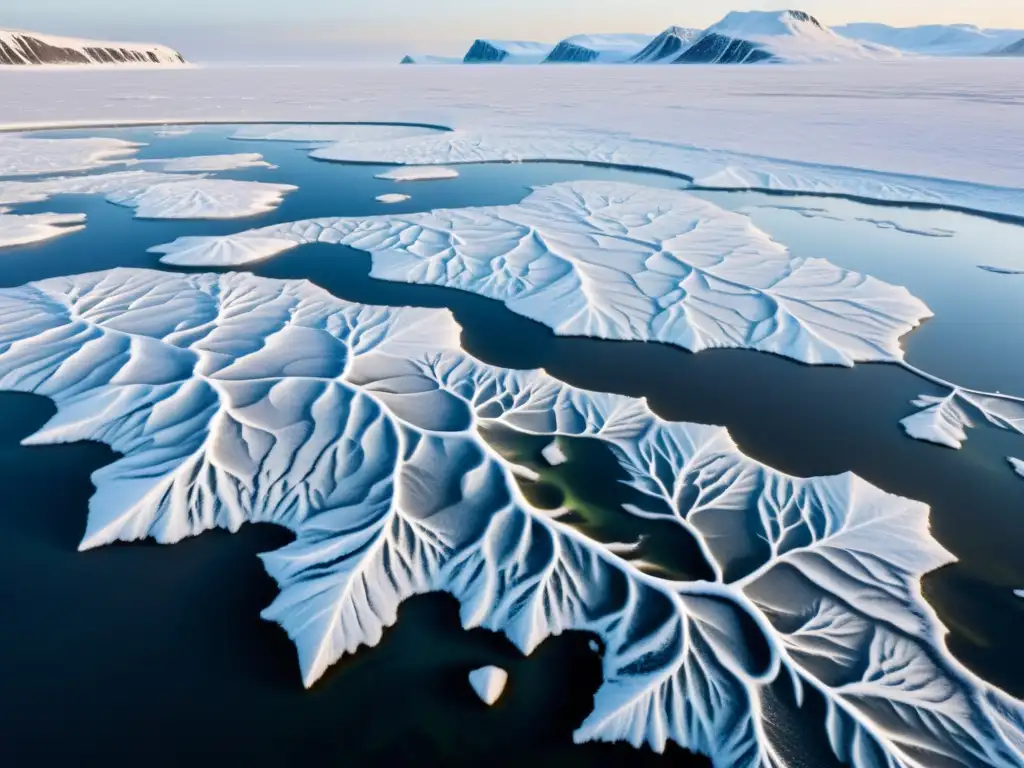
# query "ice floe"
(24, 156)
(216, 162)
(554, 455)
(945, 419)
(235, 399)
(33, 228)
(706, 168)
(157, 195)
(897, 227)
(418, 173)
(942, 420)
(489, 683)
(615, 261)
(1017, 464)
(391, 198)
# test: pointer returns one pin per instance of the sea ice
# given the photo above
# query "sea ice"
(421, 173)
(489, 683)
(896, 226)
(615, 261)
(338, 133)
(392, 198)
(232, 399)
(22, 156)
(706, 168)
(216, 162)
(157, 195)
(21, 230)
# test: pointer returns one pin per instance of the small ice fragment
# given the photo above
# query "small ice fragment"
(489, 683)
(392, 198)
(594, 646)
(1017, 464)
(554, 455)
(524, 472)
(418, 173)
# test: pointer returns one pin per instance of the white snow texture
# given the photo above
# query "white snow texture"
(33, 228)
(615, 261)
(236, 399)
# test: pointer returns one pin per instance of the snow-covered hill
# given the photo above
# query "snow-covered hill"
(667, 46)
(422, 58)
(934, 39)
(1013, 49)
(29, 48)
(507, 52)
(746, 37)
(606, 49)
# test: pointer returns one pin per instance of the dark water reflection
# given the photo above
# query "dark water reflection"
(158, 653)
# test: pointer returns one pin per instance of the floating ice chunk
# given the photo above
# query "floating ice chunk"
(21, 230)
(22, 156)
(943, 421)
(158, 195)
(616, 261)
(233, 399)
(392, 198)
(169, 132)
(418, 173)
(708, 168)
(553, 454)
(216, 162)
(489, 683)
(594, 646)
(1017, 464)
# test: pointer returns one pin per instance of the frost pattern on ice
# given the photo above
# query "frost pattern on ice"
(33, 228)
(488, 683)
(24, 156)
(157, 195)
(713, 169)
(237, 399)
(615, 261)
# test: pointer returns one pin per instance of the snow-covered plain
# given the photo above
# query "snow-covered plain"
(236, 399)
(156, 195)
(615, 261)
(920, 117)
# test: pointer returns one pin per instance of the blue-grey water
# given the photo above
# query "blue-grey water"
(157, 654)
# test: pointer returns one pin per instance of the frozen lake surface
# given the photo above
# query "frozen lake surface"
(178, 626)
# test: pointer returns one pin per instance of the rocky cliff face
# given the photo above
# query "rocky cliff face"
(30, 49)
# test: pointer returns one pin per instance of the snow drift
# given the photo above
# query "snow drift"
(28, 48)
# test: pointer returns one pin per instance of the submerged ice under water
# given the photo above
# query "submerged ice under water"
(801, 420)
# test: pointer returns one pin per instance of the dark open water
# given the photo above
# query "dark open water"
(140, 653)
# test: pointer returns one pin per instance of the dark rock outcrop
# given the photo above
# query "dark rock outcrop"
(718, 49)
(25, 49)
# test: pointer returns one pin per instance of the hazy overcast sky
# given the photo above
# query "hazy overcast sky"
(223, 28)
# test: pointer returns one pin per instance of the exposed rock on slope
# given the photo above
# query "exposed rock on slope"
(607, 49)
(28, 48)
(507, 51)
(666, 46)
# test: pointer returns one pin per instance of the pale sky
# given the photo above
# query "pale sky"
(296, 28)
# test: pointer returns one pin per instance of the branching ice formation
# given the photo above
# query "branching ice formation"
(237, 399)
(615, 261)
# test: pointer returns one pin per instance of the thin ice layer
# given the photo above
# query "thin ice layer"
(615, 261)
(235, 399)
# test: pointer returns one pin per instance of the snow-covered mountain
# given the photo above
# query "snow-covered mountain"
(746, 37)
(606, 49)
(507, 52)
(1013, 49)
(667, 46)
(934, 39)
(29, 48)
